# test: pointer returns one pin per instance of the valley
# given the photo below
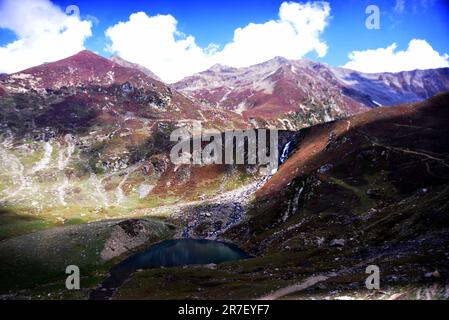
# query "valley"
(86, 179)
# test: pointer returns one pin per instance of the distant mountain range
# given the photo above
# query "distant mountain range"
(281, 86)
(110, 90)
(278, 93)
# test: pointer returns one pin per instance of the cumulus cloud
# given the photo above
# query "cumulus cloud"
(44, 33)
(293, 35)
(156, 43)
(418, 55)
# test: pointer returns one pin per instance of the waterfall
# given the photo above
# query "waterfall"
(285, 152)
(284, 156)
(240, 199)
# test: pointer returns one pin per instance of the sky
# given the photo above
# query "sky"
(176, 38)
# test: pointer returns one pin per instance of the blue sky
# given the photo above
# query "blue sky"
(215, 22)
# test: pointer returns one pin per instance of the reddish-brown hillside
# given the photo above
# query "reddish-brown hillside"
(409, 129)
(303, 93)
(372, 189)
(114, 89)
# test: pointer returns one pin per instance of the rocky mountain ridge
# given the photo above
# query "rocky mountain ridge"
(281, 87)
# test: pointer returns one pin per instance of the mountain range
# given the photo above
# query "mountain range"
(86, 178)
(280, 93)
(304, 88)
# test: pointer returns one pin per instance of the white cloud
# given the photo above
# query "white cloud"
(156, 43)
(419, 55)
(44, 33)
(293, 35)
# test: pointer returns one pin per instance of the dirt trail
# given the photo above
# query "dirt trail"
(315, 279)
(307, 283)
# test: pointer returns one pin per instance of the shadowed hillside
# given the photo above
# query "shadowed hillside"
(370, 189)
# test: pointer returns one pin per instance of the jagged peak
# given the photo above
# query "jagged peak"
(280, 59)
(218, 67)
(128, 64)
